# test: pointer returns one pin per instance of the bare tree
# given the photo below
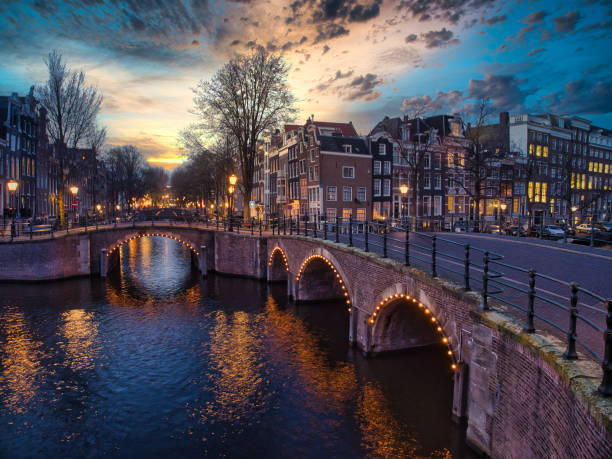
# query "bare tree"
(72, 107)
(125, 165)
(246, 97)
(95, 137)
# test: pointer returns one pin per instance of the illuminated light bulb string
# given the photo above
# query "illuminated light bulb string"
(427, 312)
(279, 250)
(138, 236)
(331, 266)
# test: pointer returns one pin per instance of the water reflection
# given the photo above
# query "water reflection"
(22, 372)
(154, 361)
(79, 332)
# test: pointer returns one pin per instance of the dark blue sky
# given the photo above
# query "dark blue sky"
(353, 61)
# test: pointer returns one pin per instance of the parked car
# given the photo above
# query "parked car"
(516, 230)
(461, 226)
(493, 229)
(586, 228)
(552, 232)
(568, 229)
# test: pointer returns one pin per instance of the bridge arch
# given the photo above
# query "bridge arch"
(278, 266)
(402, 321)
(320, 277)
(116, 245)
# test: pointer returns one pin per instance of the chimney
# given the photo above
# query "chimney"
(504, 119)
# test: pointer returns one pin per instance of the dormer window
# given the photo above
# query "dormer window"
(382, 149)
(347, 148)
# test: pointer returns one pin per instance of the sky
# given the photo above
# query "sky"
(350, 60)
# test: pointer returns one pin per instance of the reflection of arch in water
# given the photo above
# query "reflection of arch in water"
(319, 279)
(400, 321)
(115, 246)
(278, 266)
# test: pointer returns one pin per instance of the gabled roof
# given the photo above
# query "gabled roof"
(336, 144)
(390, 125)
(346, 129)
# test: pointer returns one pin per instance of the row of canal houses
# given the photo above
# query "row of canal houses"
(326, 170)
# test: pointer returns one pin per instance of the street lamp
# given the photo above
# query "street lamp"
(74, 190)
(12, 186)
(503, 206)
(232, 180)
(404, 190)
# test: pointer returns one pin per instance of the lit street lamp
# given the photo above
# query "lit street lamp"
(503, 206)
(12, 187)
(404, 190)
(75, 191)
(232, 180)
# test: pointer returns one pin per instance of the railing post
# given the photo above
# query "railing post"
(290, 226)
(606, 382)
(365, 234)
(252, 224)
(31, 228)
(337, 229)
(592, 241)
(529, 327)
(351, 231)
(314, 227)
(407, 246)
(284, 225)
(217, 221)
(385, 240)
(297, 230)
(466, 270)
(325, 229)
(260, 227)
(434, 271)
(485, 282)
(570, 353)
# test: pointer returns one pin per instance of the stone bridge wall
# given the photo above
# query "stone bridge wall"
(520, 398)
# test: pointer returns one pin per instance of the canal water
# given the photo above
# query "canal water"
(156, 362)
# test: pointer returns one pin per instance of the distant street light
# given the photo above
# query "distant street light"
(12, 186)
(404, 190)
(232, 180)
(74, 190)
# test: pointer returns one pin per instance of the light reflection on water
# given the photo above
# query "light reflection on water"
(157, 362)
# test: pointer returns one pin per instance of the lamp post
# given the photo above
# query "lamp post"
(404, 190)
(12, 187)
(75, 191)
(232, 181)
(573, 209)
(503, 206)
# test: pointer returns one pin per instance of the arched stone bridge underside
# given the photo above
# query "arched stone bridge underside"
(509, 385)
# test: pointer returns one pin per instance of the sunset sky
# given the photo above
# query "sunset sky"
(351, 61)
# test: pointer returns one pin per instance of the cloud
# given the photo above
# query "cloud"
(580, 97)
(411, 38)
(363, 87)
(503, 91)
(566, 22)
(493, 20)
(326, 10)
(437, 38)
(450, 11)
(329, 31)
(533, 52)
(535, 17)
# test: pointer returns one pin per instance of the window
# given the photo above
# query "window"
(382, 149)
(450, 160)
(427, 181)
(376, 168)
(331, 213)
(348, 172)
(531, 148)
(426, 161)
(545, 152)
(437, 205)
(361, 194)
(347, 213)
(347, 193)
(361, 214)
(302, 166)
(437, 162)
(347, 148)
(539, 150)
(332, 193)
(376, 187)
(386, 187)
(315, 173)
(387, 168)
(450, 205)
(438, 182)
(426, 205)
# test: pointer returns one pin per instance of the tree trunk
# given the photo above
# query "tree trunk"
(246, 198)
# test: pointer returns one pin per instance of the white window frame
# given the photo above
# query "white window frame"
(362, 191)
(377, 185)
(347, 168)
(350, 190)
(329, 193)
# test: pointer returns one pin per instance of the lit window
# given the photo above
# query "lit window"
(332, 193)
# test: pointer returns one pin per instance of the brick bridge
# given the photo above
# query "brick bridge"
(519, 397)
